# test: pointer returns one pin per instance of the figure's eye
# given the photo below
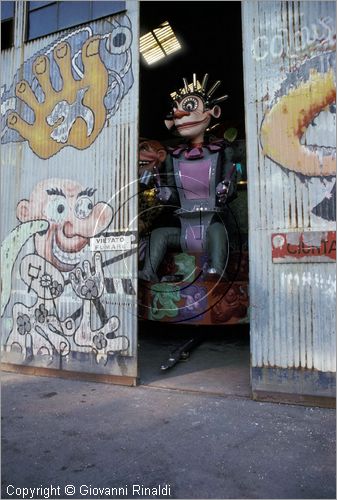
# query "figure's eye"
(190, 104)
(83, 207)
(57, 209)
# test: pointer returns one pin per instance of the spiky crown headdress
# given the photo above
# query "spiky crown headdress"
(195, 88)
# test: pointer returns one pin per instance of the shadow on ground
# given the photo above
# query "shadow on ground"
(219, 365)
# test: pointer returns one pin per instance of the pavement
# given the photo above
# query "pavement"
(220, 365)
(73, 439)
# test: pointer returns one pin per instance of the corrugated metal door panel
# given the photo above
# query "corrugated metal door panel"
(289, 71)
(69, 157)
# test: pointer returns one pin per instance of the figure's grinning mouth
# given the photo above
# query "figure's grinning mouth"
(190, 124)
(143, 163)
(68, 258)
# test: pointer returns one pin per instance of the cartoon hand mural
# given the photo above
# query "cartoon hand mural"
(72, 116)
(101, 341)
(89, 284)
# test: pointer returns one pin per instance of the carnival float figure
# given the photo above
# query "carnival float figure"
(199, 179)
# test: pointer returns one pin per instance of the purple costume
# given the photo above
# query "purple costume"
(194, 177)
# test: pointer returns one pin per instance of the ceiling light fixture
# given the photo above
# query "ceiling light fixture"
(158, 43)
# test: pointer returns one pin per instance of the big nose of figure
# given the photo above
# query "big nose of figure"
(179, 113)
(68, 229)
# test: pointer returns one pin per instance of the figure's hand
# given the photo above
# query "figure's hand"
(163, 194)
(72, 116)
(222, 190)
(88, 284)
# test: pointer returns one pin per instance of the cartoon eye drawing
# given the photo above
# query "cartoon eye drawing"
(83, 207)
(57, 209)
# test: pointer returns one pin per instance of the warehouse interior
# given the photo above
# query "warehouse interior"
(210, 38)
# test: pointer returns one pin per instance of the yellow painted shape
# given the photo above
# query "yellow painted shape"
(286, 122)
(95, 79)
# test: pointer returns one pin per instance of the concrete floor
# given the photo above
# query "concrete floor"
(192, 430)
(219, 365)
(61, 433)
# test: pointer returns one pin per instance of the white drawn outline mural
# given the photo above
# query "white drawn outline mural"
(61, 217)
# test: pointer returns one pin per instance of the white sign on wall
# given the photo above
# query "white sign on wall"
(111, 243)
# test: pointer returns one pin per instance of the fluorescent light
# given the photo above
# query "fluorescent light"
(158, 43)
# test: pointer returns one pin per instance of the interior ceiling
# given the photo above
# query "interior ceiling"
(210, 35)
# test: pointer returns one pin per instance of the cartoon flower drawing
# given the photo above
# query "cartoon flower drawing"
(45, 280)
(41, 313)
(100, 341)
(23, 323)
(89, 290)
(56, 289)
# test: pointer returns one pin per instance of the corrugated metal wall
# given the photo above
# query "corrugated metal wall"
(69, 157)
(289, 71)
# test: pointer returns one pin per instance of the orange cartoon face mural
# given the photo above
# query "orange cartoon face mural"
(49, 250)
(64, 94)
(73, 219)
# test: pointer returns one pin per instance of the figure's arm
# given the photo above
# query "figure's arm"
(10, 249)
(226, 189)
(166, 187)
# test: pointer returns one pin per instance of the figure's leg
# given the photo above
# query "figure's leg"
(160, 240)
(217, 247)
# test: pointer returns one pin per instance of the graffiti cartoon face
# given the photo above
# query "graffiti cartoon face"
(72, 216)
(191, 117)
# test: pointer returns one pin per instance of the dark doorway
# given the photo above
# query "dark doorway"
(211, 42)
(210, 36)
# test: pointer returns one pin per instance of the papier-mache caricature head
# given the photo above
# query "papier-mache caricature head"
(193, 107)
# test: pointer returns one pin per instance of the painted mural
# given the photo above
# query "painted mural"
(57, 221)
(64, 94)
(61, 298)
(304, 103)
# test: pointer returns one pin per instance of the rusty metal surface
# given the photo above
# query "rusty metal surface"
(69, 157)
(289, 72)
(69, 375)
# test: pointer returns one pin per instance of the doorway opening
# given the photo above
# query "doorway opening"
(209, 40)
